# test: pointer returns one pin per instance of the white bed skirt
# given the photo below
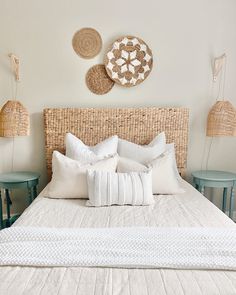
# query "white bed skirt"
(130, 247)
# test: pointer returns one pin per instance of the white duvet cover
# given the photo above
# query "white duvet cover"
(190, 209)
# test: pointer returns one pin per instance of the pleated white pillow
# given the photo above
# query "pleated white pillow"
(142, 153)
(77, 150)
(69, 179)
(109, 188)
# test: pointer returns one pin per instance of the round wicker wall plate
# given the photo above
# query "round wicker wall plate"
(128, 61)
(87, 43)
(98, 81)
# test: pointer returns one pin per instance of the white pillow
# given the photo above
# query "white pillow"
(165, 176)
(142, 153)
(69, 176)
(109, 188)
(77, 150)
(171, 148)
(127, 165)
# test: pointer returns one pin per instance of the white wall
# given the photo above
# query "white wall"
(184, 36)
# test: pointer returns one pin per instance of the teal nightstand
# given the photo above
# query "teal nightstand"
(217, 179)
(13, 180)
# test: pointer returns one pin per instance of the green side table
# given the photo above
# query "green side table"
(217, 179)
(13, 180)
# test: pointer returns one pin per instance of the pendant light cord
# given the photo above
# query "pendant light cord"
(224, 79)
(16, 90)
(14, 94)
(208, 154)
(221, 91)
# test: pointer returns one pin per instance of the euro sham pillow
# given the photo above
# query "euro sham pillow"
(142, 153)
(69, 178)
(109, 188)
(77, 150)
(165, 176)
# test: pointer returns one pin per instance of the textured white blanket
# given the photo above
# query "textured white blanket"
(135, 247)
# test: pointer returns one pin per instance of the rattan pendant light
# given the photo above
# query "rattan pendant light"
(14, 119)
(221, 120)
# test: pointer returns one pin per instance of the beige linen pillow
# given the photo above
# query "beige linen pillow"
(69, 176)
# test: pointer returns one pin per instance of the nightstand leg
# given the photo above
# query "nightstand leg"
(1, 213)
(224, 199)
(196, 186)
(201, 189)
(35, 192)
(7, 193)
(30, 195)
(231, 206)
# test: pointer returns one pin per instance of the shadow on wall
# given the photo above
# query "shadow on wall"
(4, 145)
(37, 159)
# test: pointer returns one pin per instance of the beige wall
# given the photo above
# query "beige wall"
(184, 36)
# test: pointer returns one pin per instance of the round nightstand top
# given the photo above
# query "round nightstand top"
(17, 177)
(214, 175)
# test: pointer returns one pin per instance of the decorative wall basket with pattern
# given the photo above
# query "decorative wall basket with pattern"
(128, 61)
(87, 43)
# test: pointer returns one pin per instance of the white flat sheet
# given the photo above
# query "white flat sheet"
(189, 210)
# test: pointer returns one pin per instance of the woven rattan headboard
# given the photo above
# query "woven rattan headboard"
(139, 125)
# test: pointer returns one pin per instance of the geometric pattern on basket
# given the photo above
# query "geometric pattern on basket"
(129, 61)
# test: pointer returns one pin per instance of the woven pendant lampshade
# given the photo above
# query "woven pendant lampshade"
(221, 120)
(14, 119)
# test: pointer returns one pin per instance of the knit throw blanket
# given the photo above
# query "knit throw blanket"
(128, 247)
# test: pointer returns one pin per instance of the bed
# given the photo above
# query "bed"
(190, 209)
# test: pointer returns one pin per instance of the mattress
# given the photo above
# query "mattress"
(190, 209)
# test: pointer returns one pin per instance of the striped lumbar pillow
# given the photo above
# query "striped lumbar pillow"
(110, 188)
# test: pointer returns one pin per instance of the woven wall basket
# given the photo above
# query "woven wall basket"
(98, 81)
(87, 43)
(221, 120)
(128, 61)
(14, 120)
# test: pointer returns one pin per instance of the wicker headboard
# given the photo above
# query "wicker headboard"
(139, 125)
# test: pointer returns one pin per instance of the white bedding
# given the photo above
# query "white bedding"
(190, 209)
